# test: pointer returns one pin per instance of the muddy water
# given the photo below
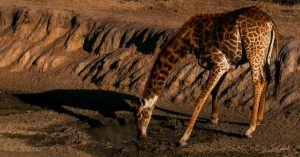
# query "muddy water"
(117, 135)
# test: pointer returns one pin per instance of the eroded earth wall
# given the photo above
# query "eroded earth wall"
(118, 56)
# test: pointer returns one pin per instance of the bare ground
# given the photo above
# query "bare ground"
(62, 97)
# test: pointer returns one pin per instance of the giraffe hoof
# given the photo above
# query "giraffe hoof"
(142, 137)
(250, 132)
(249, 136)
(214, 120)
(259, 123)
(181, 143)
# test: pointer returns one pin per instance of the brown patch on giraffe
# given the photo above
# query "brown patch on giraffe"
(164, 72)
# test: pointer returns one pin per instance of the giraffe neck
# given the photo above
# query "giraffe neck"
(172, 52)
(164, 64)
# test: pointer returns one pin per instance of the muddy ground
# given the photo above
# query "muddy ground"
(69, 70)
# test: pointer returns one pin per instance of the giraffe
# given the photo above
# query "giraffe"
(220, 42)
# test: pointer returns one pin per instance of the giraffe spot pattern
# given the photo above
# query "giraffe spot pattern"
(217, 40)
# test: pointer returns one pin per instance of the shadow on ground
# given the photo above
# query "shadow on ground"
(163, 131)
(107, 103)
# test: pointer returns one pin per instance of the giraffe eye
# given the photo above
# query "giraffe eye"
(138, 115)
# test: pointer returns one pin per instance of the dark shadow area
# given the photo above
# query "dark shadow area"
(144, 39)
(230, 134)
(286, 2)
(186, 116)
(89, 41)
(237, 123)
(145, 46)
(105, 102)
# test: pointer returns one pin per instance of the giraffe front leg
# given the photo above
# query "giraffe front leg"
(214, 119)
(258, 88)
(213, 78)
(143, 116)
(214, 113)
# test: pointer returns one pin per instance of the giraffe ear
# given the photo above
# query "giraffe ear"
(142, 102)
(136, 103)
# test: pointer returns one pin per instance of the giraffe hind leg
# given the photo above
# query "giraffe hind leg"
(267, 73)
(266, 70)
(260, 84)
(260, 114)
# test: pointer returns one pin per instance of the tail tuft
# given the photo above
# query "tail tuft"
(277, 77)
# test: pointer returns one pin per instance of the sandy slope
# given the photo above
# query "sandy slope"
(69, 69)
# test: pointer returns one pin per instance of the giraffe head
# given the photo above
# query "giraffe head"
(143, 115)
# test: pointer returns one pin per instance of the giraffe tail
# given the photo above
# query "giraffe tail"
(277, 62)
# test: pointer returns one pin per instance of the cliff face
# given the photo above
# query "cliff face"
(118, 56)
